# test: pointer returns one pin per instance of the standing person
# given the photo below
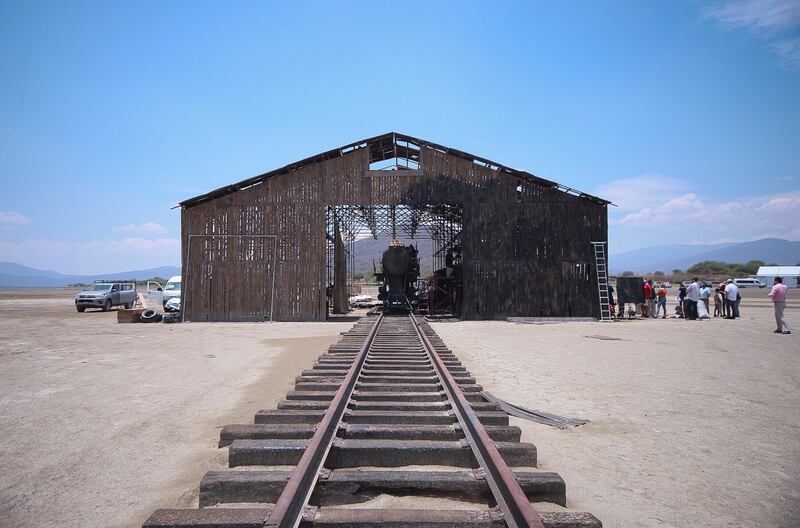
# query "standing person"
(738, 300)
(692, 297)
(682, 300)
(662, 300)
(717, 302)
(648, 294)
(651, 309)
(678, 308)
(611, 304)
(724, 300)
(705, 293)
(731, 294)
(727, 305)
(778, 295)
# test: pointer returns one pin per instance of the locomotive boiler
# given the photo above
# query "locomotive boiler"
(399, 273)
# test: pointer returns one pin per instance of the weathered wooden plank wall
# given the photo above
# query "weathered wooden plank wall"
(527, 249)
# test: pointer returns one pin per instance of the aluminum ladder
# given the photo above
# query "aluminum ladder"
(602, 280)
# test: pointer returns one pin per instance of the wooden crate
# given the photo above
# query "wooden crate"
(129, 316)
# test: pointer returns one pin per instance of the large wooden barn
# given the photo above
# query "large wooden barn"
(278, 246)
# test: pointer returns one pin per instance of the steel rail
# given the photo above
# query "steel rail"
(517, 510)
(291, 504)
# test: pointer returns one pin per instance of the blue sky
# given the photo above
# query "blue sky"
(686, 114)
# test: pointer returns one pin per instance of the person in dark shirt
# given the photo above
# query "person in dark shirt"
(611, 304)
(719, 301)
(682, 300)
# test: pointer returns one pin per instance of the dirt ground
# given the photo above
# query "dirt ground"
(692, 423)
(102, 422)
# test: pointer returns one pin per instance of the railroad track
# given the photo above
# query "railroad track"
(387, 411)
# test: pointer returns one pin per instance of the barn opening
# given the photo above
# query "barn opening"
(442, 224)
(268, 244)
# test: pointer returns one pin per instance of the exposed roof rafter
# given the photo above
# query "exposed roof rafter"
(388, 146)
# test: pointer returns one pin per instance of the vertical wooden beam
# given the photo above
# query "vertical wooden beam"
(339, 272)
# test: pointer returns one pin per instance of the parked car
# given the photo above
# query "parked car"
(749, 283)
(667, 284)
(161, 294)
(173, 288)
(107, 294)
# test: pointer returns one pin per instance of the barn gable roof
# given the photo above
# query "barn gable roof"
(384, 147)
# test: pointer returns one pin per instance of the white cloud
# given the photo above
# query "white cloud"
(766, 19)
(780, 204)
(687, 206)
(788, 52)
(686, 203)
(101, 256)
(635, 218)
(147, 227)
(632, 194)
(764, 16)
(13, 218)
(663, 208)
(680, 217)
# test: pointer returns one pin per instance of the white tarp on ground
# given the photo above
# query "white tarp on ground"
(364, 301)
(702, 313)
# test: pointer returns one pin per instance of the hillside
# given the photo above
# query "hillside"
(368, 249)
(657, 258)
(13, 275)
(681, 256)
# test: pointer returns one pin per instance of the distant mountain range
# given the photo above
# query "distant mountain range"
(657, 258)
(18, 276)
(681, 256)
(368, 249)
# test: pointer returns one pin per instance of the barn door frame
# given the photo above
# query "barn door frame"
(185, 277)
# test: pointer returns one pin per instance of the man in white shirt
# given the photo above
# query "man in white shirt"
(731, 294)
(705, 293)
(692, 296)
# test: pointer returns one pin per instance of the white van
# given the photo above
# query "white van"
(161, 294)
(172, 289)
(749, 283)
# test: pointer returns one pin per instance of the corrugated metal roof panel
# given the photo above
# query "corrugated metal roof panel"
(770, 271)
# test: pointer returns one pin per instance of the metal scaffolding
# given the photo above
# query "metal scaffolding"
(441, 223)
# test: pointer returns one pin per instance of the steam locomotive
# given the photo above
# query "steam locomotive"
(399, 273)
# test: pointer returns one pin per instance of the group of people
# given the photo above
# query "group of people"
(655, 300)
(726, 299)
(694, 301)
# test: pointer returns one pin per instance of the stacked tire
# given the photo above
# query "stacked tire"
(150, 316)
(174, 317)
